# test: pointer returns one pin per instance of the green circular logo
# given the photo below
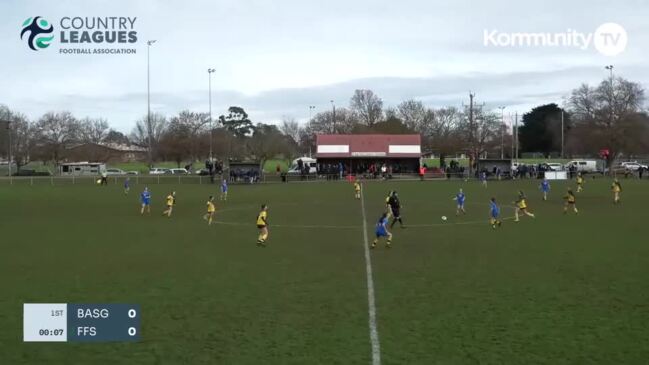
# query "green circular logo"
(38, 29)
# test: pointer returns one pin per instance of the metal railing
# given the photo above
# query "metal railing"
(201, 180)
(264, 178)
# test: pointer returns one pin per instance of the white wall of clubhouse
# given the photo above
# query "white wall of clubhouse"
(399, 148)
(333, 148)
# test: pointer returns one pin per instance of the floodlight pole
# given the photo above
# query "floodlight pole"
(148, 98)
(209, 73)
(9, 130)
(562, 138)
(311, 107)
(333, 116)
(516, 137)
(502, 132)
(513, 134)
(612, 97)
(9, 146)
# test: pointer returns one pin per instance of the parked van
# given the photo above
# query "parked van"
(582, 165)
(307, 162)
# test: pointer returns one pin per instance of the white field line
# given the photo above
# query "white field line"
(371, 301)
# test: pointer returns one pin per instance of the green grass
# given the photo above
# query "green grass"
(270, 166)
(552, 290)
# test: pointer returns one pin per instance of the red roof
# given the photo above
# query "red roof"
(368, 145)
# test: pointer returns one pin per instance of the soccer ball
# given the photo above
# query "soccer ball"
(98, 181)
(444, 218)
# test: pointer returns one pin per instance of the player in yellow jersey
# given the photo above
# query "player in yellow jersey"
(617, 189)
(210, 210)
(171, 201)
(521, 206)
(571, 201)
(357, 190)
(388, 209)
(580, 183)
(262, 225)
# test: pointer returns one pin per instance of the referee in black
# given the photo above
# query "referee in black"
(395, 207)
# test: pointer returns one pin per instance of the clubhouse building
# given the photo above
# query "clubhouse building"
(368, 153)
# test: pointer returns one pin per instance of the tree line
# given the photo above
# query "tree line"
(608, 119)
(608, 116)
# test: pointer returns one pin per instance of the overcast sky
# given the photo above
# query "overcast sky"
(275, 58)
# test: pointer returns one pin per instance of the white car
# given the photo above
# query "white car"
(554, 166)
(633, 166)
(180, 171)
(113, 171)
(585, 166)
(159, 171)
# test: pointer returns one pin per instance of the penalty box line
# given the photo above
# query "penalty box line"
(371, 300)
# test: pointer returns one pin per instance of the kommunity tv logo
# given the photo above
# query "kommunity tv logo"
(38, 28)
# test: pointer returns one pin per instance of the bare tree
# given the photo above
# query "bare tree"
(368, 106)
(176, 142)
(141, 134)
(93, 130)
(606, 116)
(19, 132)
(412, 113)
(193, 125)
(478, 133)
(323, 122)
(291, 128)
(118, 137)
(54, 132)
(442, 129)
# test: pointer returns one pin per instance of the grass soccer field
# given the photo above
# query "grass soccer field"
(557, 289)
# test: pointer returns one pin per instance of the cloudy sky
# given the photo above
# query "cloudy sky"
(275, 58)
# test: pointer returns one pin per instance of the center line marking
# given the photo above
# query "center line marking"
(371, 301)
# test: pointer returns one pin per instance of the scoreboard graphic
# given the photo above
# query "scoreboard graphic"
(64, 322)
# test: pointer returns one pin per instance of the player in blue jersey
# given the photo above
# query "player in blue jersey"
(494, 213)
(382, 231)
(127, 185)
(145, 199)
(483, 178)
(545, 188)
(459, 198)
(224, 189)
